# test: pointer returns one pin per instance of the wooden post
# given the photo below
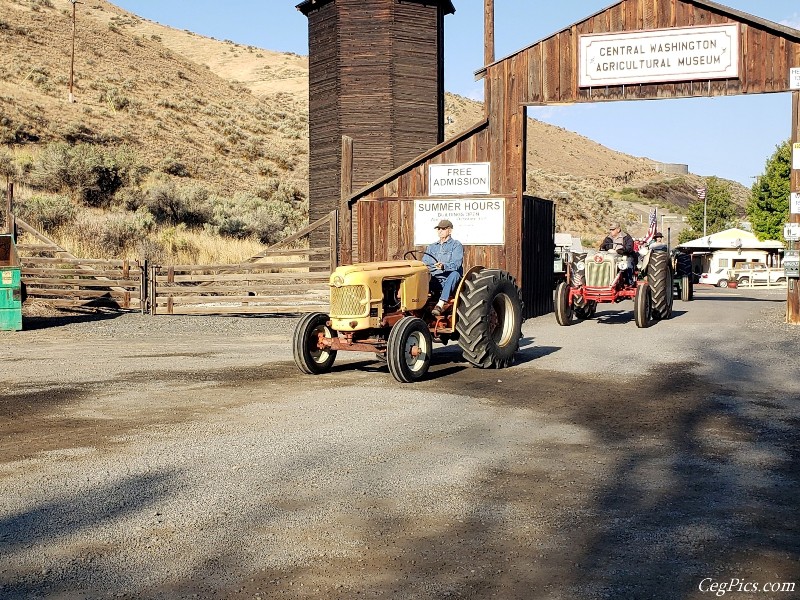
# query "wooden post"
(143, 287)
(488, 48)
(153, 290)
(334, 237)
(793, 289)
(9, 210)
(345, 212)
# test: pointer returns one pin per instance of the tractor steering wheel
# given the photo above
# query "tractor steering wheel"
(413, 254)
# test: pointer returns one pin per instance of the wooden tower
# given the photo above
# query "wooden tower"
(376, 75)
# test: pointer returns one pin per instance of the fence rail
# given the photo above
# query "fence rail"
(282, 283)
(75, 282)
(277, 280)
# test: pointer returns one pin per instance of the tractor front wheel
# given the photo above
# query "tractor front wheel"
(489, 319)
(587, 310)
(308, 356)
(409, 350)
(642, 306)
(563, 306)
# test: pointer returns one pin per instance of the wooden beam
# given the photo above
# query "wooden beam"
(345, 210)
(793, 289)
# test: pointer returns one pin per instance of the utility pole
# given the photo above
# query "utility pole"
(488, 47)
(72, 56)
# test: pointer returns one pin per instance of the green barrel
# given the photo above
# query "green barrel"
(10, 286)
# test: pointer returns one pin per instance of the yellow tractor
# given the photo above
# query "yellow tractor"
(385, 308)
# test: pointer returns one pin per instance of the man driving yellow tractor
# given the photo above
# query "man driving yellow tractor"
(445, 259)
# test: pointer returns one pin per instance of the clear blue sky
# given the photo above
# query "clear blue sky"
(729, 137)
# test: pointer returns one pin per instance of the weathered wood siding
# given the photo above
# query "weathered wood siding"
(547, 71)
(376, 75)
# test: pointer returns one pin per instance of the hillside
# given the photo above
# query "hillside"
(234, 117)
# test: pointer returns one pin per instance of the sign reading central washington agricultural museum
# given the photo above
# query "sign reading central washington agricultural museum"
(680, 54)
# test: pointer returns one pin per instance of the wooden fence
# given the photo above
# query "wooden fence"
(277, 280)
(72, 282)
(288, 281)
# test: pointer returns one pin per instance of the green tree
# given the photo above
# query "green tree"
(768, 207)
(719, 209)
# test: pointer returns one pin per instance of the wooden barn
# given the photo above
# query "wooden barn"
(690, 47)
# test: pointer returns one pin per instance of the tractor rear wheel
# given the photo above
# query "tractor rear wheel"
(489, 319)
(308, 356)
(409, 349)
(642, 306)
(564, 310)
(659, 278)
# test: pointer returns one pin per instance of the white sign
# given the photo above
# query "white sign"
(791, 232)
(796, 156)
(460, 179)
(794, 78)
(679, 54)
(476, 221)
(795, 207)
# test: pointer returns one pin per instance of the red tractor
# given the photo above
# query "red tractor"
(607, 277)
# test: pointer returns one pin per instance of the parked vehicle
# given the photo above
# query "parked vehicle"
(718, 278)
(747, 273)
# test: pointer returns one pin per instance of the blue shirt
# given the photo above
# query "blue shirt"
(449, 253)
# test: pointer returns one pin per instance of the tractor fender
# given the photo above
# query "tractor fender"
(454, 312)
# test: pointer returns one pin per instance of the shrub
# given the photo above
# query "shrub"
(114, 99)
(8, 167)
(172, 206)
(89, 175)
(129, 198)
(265, 219)
(47, 212)
(172, 166)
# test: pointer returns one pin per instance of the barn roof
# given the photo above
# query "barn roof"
(307, 6)
(734, 14)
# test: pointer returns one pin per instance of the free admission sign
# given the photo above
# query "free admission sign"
(459, 179)
(476, 221)
(678, 54)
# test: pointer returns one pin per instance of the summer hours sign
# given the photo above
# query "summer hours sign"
(476, 221)
(679, 54)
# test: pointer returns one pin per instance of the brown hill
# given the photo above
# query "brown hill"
(233, 116)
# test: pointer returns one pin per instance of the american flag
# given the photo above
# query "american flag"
(701, 193)
(651, 227)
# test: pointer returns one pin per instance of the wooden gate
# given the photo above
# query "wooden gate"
(278, 280)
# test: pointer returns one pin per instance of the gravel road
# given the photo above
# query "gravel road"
(186, 457)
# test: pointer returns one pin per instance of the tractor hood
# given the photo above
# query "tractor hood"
(389, 268)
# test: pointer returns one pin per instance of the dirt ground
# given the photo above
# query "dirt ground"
(186, 457)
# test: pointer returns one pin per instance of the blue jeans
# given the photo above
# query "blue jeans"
(446, 282)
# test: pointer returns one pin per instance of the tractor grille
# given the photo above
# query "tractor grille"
(349, 301)
(600, 274)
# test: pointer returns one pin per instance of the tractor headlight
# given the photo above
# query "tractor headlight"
(338, 281)
(581, 266)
